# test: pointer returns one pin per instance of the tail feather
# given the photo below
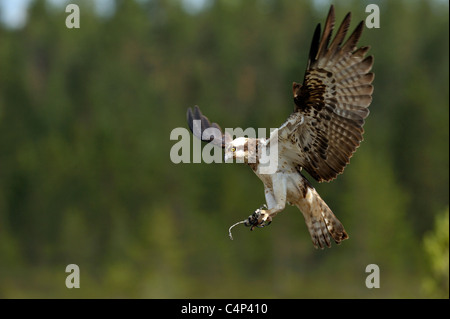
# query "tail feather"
(320, 220)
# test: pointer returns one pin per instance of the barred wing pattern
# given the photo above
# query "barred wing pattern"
(332, 103)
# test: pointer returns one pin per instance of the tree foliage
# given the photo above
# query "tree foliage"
(86, 177)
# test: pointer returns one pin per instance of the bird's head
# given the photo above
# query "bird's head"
(242, 149)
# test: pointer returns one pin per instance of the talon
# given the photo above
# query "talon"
(253, 219)
(258, 219)
(264, 224)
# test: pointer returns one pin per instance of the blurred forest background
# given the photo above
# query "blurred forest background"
(86, 177)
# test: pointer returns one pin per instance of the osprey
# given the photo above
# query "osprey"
(320, 136)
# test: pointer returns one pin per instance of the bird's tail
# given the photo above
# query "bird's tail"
(320, 220)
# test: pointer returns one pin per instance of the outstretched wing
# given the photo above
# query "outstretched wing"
(326, 126)
(198, 124)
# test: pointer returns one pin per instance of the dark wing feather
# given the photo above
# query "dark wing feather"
(198, 132)
(331, 104)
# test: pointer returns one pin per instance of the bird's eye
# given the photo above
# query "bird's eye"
(233, 149)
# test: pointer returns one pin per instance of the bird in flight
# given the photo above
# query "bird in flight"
(320, 136)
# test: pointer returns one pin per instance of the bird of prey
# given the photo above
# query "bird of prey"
(320, 136)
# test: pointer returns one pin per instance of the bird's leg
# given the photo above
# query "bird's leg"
(276, 200)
